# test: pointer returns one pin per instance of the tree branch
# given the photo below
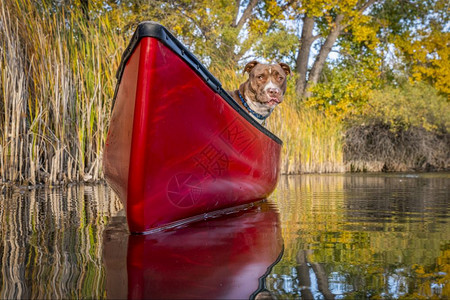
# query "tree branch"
(316, 37)
(323, 54)
(236, 13)
(247, 13)
(282, 8)
(366, 5)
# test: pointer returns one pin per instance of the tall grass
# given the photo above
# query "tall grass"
(56, 87)
(312, 141)
(57, 83)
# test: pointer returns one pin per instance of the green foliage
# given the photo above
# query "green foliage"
(418, 32)
(214, 30)
(417, 105)
(346, 84)
(345, 88)
(278, 46)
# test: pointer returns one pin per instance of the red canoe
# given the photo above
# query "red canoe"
(178, 145)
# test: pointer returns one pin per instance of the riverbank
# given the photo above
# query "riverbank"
(376, 148)
(57, 81)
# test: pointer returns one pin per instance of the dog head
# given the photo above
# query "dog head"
(265, 86)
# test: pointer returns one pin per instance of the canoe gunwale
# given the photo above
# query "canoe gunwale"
(159, 32)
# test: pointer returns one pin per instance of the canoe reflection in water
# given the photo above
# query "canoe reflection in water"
(227, 257)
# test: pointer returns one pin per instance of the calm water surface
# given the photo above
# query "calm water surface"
(318, 236)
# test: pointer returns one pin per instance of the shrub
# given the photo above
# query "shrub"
(410, 105)
(401, 129)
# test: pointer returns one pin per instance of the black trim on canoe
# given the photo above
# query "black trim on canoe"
(156, 30)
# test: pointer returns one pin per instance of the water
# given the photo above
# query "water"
(318, 236)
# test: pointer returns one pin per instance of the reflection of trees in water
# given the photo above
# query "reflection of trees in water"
(372, 235)
(344, 235)
(397, 194)
(42, 232)
(303, 268)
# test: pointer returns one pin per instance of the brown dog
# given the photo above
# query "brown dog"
(263, 90)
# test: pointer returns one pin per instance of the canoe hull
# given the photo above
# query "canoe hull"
(176, 148)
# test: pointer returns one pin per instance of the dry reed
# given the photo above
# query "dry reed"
(57, 84)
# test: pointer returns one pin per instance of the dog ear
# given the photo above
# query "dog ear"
(285, 68)
(248, 67)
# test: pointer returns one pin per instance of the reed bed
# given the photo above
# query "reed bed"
(57, 82)
(312, 141)
(56, 89)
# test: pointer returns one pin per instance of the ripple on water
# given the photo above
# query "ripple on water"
(344, 235)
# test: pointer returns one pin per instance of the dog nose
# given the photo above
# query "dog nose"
(273, 91)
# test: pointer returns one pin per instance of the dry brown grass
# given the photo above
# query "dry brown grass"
(376, 148)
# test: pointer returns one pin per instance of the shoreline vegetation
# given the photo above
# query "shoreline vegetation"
(57, 81)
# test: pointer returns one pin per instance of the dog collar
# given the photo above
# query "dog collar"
(261, 117)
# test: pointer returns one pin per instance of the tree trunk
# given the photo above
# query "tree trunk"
(306, 41)
(304, 279)
(325, 50)
(322, 281)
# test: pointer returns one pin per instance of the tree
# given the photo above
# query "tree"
(330, 20)
(419, 32)
(304, 33)
(212, 29)
(230, 32)
(363, 33)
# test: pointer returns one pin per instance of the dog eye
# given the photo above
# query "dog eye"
(280, 78)
(260, 77)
